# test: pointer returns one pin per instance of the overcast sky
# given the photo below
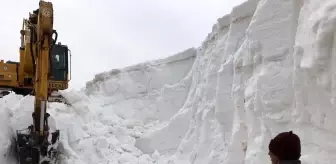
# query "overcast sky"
(107, 34)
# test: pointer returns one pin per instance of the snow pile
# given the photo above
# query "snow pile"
(85, 136)
(264, 69)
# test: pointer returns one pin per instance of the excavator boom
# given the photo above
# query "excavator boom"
(44, 34)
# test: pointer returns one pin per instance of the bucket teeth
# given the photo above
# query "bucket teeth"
(57, 97)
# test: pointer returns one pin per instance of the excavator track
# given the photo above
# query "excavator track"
(4, 92)
(18, 91)
(54, 97)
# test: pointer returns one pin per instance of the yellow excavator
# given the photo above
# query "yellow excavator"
(43, 69)
(19, 76)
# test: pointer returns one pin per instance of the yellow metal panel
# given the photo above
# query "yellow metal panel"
(8, 75)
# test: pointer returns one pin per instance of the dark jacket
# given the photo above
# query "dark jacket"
(290, 162)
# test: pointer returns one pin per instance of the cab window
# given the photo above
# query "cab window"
(59, 61)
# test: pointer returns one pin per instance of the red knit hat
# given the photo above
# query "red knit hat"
(286, 146)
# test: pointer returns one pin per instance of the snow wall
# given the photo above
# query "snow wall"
(264, 69)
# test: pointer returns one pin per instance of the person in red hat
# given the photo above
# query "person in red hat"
(285, 148)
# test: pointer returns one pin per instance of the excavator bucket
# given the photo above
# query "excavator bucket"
(31, 152)
(33, 149)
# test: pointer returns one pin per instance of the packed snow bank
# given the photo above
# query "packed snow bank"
(145, 91)
(85, 136)
(265, 68)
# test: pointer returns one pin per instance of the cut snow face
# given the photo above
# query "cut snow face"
(265, 68)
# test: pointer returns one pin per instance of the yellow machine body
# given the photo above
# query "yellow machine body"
(43, 68)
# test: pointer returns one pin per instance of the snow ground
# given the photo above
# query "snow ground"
(265, 68)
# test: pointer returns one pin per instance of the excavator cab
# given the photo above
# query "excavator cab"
(60, 66)
(59, 62)
(59, 71)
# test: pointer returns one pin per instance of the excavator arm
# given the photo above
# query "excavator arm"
(44, 45)
(33, 144)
